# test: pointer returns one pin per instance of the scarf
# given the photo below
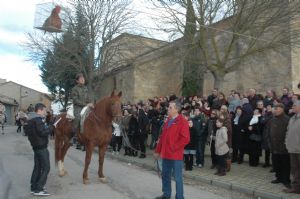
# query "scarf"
(236, 120)
(254, 119)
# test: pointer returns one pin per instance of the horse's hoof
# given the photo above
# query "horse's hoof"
(62, 173)
(86, 181)
(103, 180)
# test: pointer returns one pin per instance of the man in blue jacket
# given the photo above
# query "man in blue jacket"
(38, 133)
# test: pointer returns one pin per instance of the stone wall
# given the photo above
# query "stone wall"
(120, 74)
(121, 80)
(295, 69)
(127, 47)
(159, 73)
(268, 70)
(295, 56)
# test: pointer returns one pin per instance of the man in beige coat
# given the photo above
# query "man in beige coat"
(293, 146)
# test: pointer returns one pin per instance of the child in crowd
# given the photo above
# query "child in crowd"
(221, 147)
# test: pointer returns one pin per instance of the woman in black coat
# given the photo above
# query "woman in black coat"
(265, 134)
(190, 148)
(133, 132)
(255, 137)
(236, 134)
(244, 120)
(155, 126)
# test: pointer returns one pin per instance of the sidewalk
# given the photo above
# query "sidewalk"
(254, 181)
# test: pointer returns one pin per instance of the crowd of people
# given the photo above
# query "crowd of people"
(230, 126)
(21, 118)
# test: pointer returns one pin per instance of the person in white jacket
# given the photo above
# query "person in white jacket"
(221, 147)
(116, 138)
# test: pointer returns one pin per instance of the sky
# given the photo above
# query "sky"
(17, 18)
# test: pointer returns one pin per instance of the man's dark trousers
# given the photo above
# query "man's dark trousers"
(200, 151)
(142, 140)
(41, 169)
(281, 164)
(295, 170)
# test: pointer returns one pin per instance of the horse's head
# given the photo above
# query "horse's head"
(116, 108)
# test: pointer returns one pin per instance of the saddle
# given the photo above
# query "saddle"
(70, 113)
(83, 115)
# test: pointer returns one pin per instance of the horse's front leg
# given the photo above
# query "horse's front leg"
(102, 150)
(58, 151)
(63, 152)
(88, 156)
(66, 146)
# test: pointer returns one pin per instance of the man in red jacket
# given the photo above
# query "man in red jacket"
(175, 135)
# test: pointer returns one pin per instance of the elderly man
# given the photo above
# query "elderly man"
(281, 159)
(253, 97)
(175, 135)
(213, 96)
(269, 99)
(293, 146)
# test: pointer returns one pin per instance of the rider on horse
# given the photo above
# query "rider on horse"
(81, 99)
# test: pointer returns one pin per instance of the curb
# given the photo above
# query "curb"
(253, 192)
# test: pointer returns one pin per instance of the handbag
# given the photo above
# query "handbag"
(255, 137)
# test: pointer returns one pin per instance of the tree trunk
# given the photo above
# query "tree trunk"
(219, 80)
(91, 92)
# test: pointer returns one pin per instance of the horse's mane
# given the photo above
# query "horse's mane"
(102, 108)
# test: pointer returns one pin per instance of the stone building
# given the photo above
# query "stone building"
(20, 97)
(11, 107)
(145, 64)
(158, 70)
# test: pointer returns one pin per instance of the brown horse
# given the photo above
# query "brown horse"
(97, 131)
(63, 135)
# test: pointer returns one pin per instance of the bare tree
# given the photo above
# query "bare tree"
(229, 31)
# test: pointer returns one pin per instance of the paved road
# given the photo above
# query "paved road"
(124, 181)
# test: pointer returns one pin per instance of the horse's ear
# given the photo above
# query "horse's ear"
(120, 94)
(112, 93)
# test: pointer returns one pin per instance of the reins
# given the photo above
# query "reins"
(95, 116)
(129, 144)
